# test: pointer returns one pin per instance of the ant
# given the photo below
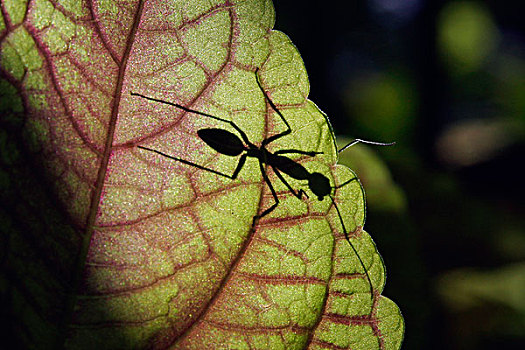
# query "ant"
(229, 144)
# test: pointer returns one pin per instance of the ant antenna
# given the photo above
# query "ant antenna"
(366, 142)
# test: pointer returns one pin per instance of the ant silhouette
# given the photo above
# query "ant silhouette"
(229, 144)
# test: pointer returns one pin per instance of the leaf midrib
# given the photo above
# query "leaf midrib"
(101, 175)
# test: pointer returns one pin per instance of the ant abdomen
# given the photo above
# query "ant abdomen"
(222, 141)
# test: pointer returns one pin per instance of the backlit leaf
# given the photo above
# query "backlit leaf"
(106, 245)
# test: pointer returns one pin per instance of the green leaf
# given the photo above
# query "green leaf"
(106, 245)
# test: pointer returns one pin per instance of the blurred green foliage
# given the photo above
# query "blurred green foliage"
(383, 103)
(467, 35)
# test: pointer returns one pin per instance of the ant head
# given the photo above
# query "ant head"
(319, 185)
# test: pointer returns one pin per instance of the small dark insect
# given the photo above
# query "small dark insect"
(229, 144)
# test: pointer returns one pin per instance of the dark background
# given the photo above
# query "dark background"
(446, 81)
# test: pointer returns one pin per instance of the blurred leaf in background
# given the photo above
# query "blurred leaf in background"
(496, 296)
(467, 36)
(382, 104)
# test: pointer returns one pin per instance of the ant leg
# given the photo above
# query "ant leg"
(288, 128)
(355, 250)
(242, 160)
(274, 194)
(299, 194)
(292, 151)
(345, 183)
(186, 109)
(366, 142)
